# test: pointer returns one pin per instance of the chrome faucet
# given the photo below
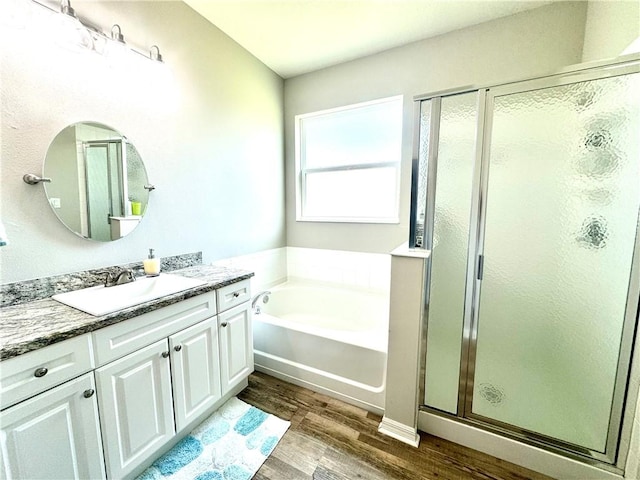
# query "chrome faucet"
(125, 276)
(254, 303)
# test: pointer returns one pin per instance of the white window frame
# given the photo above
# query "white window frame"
(302, 171)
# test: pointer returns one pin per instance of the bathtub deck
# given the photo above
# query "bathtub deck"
(331, 440)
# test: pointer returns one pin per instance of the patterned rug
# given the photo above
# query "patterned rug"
(231, 444)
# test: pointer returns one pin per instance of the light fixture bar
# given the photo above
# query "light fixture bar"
(116, 31)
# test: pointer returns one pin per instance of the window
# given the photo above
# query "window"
(348, 163)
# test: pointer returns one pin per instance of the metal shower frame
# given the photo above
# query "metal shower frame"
(612, 458)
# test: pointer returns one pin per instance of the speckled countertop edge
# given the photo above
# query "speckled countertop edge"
(30, 326)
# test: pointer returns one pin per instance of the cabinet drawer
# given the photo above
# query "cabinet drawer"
(130, 335)
(34, 372)
(233, 295)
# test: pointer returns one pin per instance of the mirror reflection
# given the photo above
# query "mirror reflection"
(99, 186)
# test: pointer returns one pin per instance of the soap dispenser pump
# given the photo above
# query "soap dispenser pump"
(151, 265)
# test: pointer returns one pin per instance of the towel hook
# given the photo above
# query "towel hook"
(32, 179)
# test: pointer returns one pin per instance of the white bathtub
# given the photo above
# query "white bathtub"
(331, 340)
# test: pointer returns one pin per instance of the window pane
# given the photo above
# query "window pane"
(363, 193)
(355, 136)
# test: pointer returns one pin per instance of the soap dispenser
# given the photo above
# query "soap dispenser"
(151, 265)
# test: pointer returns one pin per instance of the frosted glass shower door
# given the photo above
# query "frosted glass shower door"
(97, 187)
(449, 245)
(562, 190)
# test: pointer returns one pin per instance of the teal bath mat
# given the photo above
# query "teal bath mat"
(231, 444)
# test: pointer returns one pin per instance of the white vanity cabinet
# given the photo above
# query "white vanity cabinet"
(143, 393)
(157, 391)
(49, 420)
(137, 382)
(107, 403)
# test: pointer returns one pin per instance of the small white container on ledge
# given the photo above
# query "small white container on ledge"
(151, 265)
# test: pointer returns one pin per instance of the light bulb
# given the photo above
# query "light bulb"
(71, 33)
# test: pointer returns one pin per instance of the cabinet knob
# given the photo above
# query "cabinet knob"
(88, 393)
(177, 348)
(224, 324)
(165, 354)
(236, 294)
(40, 372)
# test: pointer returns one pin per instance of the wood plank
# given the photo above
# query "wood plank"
(482, 460)
(300, 451)
(460, 463)
(331, 440)
(278, 396)
(345, 440)
(345, 466)
(276, 469)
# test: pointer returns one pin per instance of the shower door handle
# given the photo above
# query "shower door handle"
(480, 266)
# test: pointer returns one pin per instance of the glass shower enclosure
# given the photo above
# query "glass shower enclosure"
(105, 167)
(528, 196)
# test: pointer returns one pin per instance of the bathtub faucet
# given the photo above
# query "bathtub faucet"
(254, 302)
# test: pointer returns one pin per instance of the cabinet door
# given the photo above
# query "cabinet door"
(236, 345)
(136, 412)
(53, 435)
(195, 367)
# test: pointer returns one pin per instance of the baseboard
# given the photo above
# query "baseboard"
(399, 431)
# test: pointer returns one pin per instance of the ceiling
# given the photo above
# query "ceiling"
(293, 37)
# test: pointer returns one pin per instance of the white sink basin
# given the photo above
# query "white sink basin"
(101, 300)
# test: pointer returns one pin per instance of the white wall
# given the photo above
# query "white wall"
(207, 123)
(62, 158)
(529, 43)
(610, 28)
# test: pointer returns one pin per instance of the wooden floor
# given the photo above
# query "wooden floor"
(331, 440)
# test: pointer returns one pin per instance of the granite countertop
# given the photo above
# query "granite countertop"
(33, 325)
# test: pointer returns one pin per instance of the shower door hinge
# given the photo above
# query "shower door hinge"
(480, 266)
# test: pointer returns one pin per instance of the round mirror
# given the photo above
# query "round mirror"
(99, 187)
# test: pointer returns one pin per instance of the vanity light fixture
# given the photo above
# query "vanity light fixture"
(116, 49)
(73, 31)
(67, 9)
(154, 53)
(116, 34)
(86, 33)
